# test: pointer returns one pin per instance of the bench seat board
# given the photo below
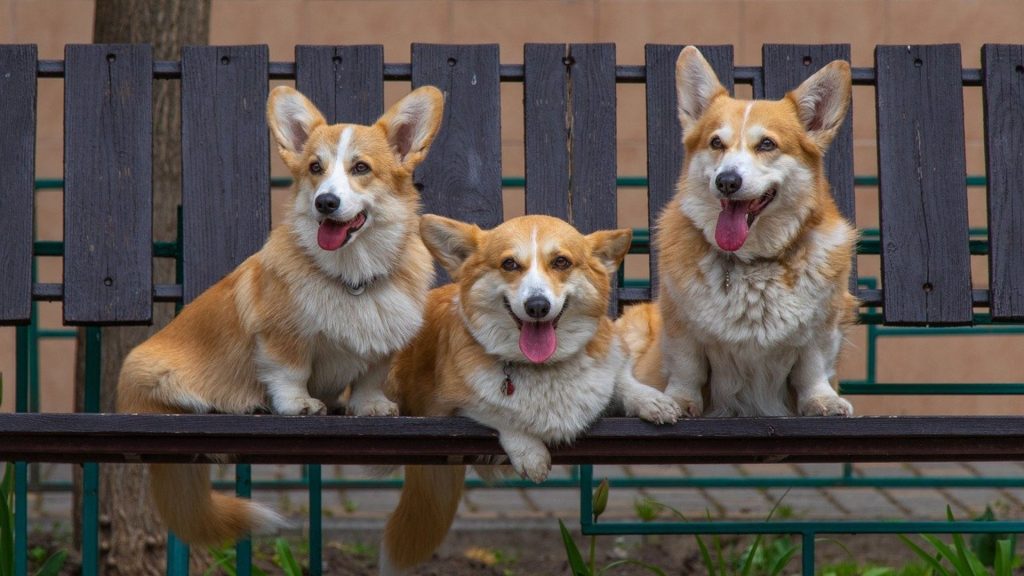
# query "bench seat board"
(108, 189)
(1003, 85)
(664, 135)
(785, 67)
(17, 148)
(926, 277)
(225, 160)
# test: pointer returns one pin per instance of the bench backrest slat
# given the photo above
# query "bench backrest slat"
(108, 192)
(592, 185)
(345, 82)
(923, 208)
(664, 135)
(1003, 85)
(461, 177)
(545, 105)
(17, 148)
(785, 67)
(225, 160)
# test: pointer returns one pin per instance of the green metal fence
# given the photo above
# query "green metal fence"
(27, 396)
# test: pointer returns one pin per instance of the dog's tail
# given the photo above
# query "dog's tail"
(430, 497)
(183, 492)
(638, 326)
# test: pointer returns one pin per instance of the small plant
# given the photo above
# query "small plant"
(580, 567)
(284, 559)
(963, 559)
(852, 568)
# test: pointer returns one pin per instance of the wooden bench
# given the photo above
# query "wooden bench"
(569, 98)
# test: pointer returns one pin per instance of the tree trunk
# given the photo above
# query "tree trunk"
(132, 539)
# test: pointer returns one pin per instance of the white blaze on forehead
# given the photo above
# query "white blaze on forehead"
(743, 126)
(337, 183)
(535, 283)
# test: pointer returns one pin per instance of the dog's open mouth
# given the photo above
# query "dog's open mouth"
(736, 218)
(333, 234)
(537, 340)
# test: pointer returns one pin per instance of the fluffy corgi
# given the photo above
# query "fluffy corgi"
(754, 257)
(337, 289)
(519, 342)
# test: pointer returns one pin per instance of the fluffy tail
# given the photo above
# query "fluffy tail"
(182, 492)
(430, 497)
(199, 516)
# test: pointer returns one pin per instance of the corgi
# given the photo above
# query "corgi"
(753, 255)
(520, 342)
(336, 290)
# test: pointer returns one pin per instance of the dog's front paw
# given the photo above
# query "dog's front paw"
(379, 406)
(826, 406)
(300, 406)
(653, 406)
(534, 465)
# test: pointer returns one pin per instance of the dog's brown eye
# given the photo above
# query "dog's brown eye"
(360, 168)
(716, 143)
(766, 145)
(561, 263)
(315, 167)
(509, 265)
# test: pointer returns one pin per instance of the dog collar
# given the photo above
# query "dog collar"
(357, 289)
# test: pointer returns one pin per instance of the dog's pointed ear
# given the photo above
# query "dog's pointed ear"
(450, 241)
(822, 101)
(411, 124)
(696, 86)
(610, 247)
(292, 118)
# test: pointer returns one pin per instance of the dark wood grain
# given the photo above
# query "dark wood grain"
(785, 67)
(345, 82)
(665, 152)
(1003, 86)
(330, 439)
(18, 149)
(108, 189)
(925, 257)
(225, 160)
(461, 176)
(545, 105)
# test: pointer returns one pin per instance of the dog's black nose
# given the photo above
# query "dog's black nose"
(728, 182)
(537, 306)
(327, 203)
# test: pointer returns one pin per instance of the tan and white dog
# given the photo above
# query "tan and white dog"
(754, 257)
(519, 342)
(333, 294)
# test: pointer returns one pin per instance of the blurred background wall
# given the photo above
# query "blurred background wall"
(745, 24)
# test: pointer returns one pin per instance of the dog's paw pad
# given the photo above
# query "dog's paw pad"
(826, 406)
(533, 465)
(302, 407)
(376, 407)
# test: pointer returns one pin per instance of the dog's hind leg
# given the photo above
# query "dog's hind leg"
(811, 379)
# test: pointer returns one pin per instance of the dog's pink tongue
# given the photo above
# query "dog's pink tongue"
(332, 234)
(731, 231)
(538, 341)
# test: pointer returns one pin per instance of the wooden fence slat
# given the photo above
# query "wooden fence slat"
(17, 148)
(1003, 85)
(923, 197)
(345, 82)
(545, 103)
(225, 160)
(593, 153)
(108, 189)
(785, 67)
(665, 152)
(461, 176)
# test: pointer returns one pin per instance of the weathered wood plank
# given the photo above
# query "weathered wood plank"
(108, 189)
(461, 177)
(18, 149)
(339, 439)
(1003, 86)
(345, 82)
(785, 67)
(593, 193)
(225, 160)
(545, 104)
(926, 274)
(665, 152)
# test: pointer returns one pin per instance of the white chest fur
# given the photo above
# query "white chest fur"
(554, 403)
